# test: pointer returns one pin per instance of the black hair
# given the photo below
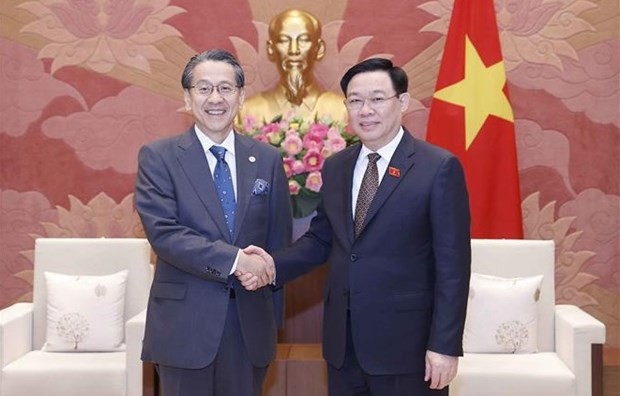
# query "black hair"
(399, 78)
(217, 55)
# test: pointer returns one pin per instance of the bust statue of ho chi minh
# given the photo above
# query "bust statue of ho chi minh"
(294, 45)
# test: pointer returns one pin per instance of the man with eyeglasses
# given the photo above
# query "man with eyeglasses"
(393, 225)
(201, 196)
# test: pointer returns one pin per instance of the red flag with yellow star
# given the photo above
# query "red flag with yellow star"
(472, 117)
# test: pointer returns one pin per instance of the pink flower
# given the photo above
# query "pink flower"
(318, 129)
(288, 166)
(292, 144)
(333, 132)
(283, 124)
(298, 167)
(261, 138)
(336, 143)
(313, 160)
(249, 122)
(326, 152)
(304, 148)
(313, 141)
(270, 128)
(314, 181)
(293, 187)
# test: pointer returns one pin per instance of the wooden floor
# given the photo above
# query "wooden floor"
(611, 382)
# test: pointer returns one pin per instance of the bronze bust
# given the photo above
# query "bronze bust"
(294, 46)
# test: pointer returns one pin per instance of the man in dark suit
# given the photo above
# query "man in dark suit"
(201, 195)
(393, 225)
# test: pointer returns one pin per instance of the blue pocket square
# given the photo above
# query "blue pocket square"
(261, 187)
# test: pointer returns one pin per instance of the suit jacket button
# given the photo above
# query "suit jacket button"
(353, 257)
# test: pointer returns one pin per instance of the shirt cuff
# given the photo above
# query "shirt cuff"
(234, 267)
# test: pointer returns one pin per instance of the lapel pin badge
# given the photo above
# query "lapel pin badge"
(394, 171)
(252, 159)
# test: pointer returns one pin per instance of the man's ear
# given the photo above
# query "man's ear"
(187, 99)
(404, 100)
(241, 96)
(320, 49)
(270, 50)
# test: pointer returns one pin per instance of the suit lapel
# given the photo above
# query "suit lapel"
(402, 160)
(246, 175)
(194, 163)
(347, 182)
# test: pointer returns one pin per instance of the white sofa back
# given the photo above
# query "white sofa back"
(521, 258)
(90, 256)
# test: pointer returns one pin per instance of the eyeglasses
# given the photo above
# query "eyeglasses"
(376, 102)
(224, 89)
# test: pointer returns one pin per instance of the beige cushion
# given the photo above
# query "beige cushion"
(513, 375)
(61, 374)
(502, 314)
(510, 258)
(85, 312)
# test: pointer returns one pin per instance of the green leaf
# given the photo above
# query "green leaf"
(304, 203)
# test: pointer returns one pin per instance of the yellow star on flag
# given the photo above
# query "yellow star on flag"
(480, 93)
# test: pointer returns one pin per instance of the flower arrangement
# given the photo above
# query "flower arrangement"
(304, 147)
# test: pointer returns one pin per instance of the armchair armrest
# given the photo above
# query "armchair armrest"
(134, 333)
(15, 332)
(575, 333)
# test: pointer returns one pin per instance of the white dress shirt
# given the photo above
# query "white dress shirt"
(229, 145)
(386, 152)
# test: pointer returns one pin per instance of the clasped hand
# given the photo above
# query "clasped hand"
(255, 268)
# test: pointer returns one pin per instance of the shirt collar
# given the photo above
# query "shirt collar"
(386, 152)
(206, 142)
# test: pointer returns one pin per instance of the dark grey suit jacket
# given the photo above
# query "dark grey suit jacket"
(406, 276)
(184, 222)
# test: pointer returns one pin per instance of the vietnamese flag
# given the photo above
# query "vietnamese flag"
(471, 116)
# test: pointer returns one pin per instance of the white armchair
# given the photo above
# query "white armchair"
(566, 334)
(27, 370)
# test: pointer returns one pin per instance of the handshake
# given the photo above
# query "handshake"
(255, 268)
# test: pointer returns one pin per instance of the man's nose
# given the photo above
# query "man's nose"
(215, 96)
(293, 48)
(366, 107)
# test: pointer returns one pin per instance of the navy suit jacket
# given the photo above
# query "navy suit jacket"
(406, 276)
(184, 222)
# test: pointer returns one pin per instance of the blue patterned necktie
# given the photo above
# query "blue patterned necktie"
(224, 186)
